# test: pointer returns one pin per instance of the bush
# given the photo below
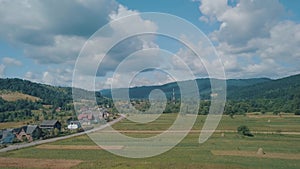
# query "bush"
(245, 131)
(297, 112)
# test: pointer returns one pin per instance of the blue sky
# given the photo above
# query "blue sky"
(41, 40)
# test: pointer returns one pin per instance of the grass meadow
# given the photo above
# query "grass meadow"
(283, 150)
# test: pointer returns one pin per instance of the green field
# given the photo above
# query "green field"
(189, 153)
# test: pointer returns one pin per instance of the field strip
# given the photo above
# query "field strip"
(198, 131)
(38, 163)
(287, 156)
(78, 147)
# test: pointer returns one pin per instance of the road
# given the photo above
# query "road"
(38, 142)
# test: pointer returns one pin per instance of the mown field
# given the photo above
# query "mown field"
(228, 150)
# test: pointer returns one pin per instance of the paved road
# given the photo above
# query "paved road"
(19, 146)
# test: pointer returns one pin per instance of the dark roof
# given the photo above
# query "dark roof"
(8, 136)
(18, 130)
(49, 122)
(30, 129)
(74, 122)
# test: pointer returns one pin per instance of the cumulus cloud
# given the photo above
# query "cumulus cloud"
(57, 76)
(2, 69)
(104, 52)
(11, 61)
(43, 28)
(53, 33)
(246, 20)
(253, 39)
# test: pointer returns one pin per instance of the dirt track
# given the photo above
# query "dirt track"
(288, 156)
(78, 147)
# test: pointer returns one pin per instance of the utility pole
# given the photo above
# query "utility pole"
(173, 98)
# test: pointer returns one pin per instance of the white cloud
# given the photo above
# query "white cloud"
(212, 9)
(53, 33)
(65, 49)
(11, 61)
(253, 39)
(58, 76)
(43, 27)
(95, 48)
(247, 20)
(2, 69)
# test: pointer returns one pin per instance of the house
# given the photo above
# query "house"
(87, 118)
(50, 124)
(34, 132)
(20, 133)
(7, 136)
(74, 125)
(28, 133)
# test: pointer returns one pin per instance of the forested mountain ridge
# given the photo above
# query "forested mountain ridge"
(51, 95)
(243, 95)
(285, 88)
(203, 86)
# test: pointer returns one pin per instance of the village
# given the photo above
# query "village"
(85, 120)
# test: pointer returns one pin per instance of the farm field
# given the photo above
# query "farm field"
(225, 149)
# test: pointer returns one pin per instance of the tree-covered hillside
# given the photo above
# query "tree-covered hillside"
(56, 96)
(243, 95)
(203, 86)
(49, 98)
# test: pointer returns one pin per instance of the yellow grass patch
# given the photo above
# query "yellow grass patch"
(12, 124)
(78, 147)
(38, 163)
(14, 96)
(287, 156)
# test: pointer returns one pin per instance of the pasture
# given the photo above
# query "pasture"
(278, 136)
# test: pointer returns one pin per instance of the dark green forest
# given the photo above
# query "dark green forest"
(243, 95)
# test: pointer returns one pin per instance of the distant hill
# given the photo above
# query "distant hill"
(22, 100)
(18, 89)
(203, 86)
(243, 95)
(287, 88)
(48, 94)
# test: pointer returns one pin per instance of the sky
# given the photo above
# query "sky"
(41, 40)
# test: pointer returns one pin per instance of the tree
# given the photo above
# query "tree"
(276, 112)
(245, 131)
(56, 132)
(297, 112)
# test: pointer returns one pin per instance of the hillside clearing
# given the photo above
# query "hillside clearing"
(14, 96)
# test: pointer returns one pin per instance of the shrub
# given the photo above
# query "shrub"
(245, 131)
(297, 112)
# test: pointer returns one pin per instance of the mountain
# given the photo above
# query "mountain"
(243, 95)
(287, 88)
(48, 94)
(44, 94)
(203, 86)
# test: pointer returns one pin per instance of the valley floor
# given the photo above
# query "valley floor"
(278, 137)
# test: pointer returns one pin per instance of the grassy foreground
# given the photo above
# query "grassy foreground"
(189, 153)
